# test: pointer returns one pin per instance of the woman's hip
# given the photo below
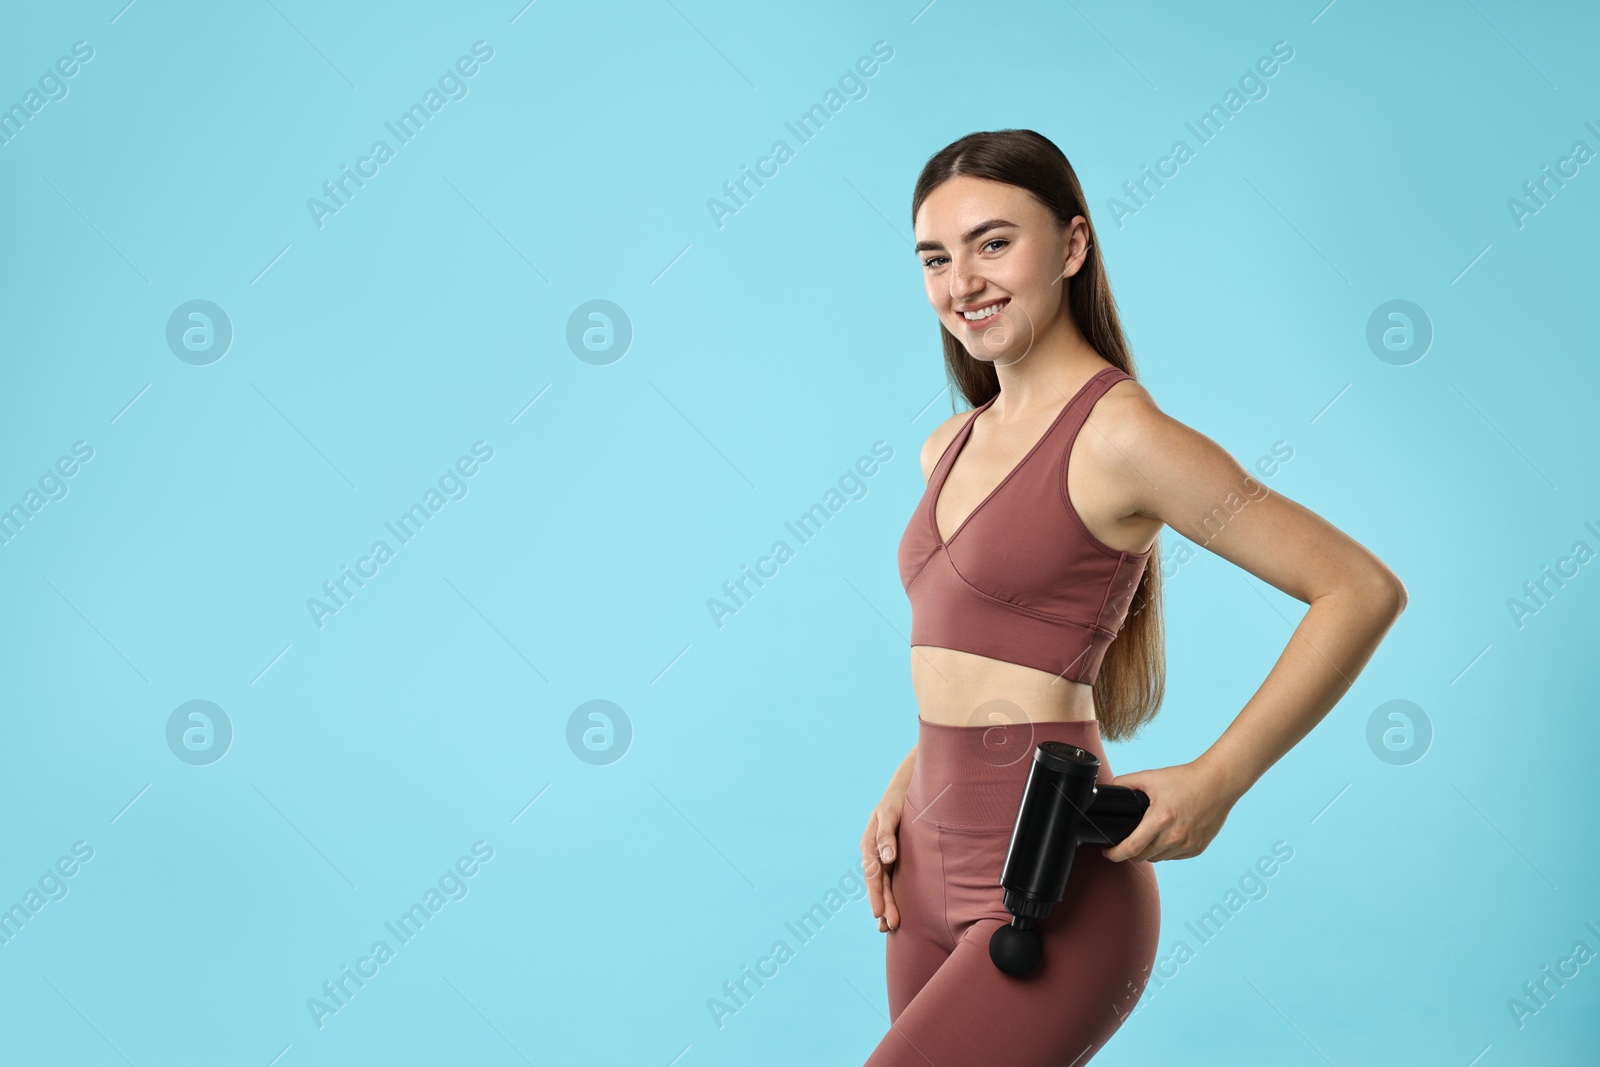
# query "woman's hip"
(961, 805)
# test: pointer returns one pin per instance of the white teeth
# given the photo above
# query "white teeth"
(981, 313)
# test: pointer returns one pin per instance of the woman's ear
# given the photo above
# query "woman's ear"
(1081, 255)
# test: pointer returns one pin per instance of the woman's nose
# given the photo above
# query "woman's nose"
(964, 283)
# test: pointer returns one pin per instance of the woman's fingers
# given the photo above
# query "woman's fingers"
(871, 867)
(886, 845)
(888, 851)
(878, 889)
(879, 850)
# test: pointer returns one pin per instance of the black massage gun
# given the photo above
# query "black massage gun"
(1061, 809)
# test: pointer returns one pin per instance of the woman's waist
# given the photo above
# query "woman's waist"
(961, 689)
(973, 776)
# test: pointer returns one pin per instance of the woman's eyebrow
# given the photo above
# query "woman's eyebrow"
(967, 238)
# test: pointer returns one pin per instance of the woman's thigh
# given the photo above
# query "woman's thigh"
(1099, 945)
(920, 944)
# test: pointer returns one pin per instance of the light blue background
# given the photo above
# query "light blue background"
(768, 355)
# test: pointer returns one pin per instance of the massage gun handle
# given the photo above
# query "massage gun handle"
(1112, 814)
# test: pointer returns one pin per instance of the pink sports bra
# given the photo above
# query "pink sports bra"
(1021, 579)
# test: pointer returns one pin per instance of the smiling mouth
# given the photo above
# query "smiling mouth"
(986, 312)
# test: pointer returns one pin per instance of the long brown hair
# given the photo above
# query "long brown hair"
(1132, 677)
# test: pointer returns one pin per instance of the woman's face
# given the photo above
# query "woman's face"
(985, 245)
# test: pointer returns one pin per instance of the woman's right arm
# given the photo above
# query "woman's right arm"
(879, 846)
(902, 775)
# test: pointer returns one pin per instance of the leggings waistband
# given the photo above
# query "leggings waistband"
(972, 777)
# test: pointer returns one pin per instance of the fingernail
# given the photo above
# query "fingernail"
(884, 852)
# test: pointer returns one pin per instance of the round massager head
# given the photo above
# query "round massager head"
(1016, 951)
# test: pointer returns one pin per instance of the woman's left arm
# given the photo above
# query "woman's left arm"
(1178, 475)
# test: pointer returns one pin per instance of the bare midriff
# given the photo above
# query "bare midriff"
(955, 688)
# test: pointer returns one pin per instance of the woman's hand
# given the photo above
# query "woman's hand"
(879, 850)
(1188, 805)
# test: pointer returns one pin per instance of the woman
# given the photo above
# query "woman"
(1035, 544)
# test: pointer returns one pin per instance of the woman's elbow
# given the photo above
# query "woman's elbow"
(1390, 591)
(1378, 590)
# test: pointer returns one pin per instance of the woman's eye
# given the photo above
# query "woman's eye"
(936, 260)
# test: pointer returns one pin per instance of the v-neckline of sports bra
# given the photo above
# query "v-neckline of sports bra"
(960, 444)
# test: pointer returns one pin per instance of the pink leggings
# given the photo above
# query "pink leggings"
(949, 1005)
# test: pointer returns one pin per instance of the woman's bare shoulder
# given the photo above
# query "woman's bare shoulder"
(1125, 409)
(1124, 423)
(939, 440)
